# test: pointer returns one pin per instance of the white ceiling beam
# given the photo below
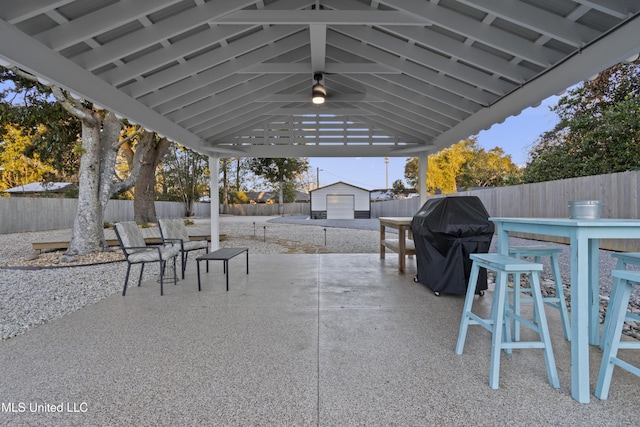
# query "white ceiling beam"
(318, 46)
(306, 97)
(276, 82)
(419, 113)
(276, 151)
(449, 46)
(234, 119)
(174, 52)
(427, 58)
(14, 11)
(190, 98)
(325, 17)
(399, 131)
(163, 30)
(419, 72)
(536, 19)
(100, 21)
(398, 120)
(329, 68)
(462, 52)
(476, 30)
(423, 95)
(413, 90)
(200, 80)
(34, 57)
(227, 82)
(324, 109)
(209, 108)
(208, 60)
(619, 9)
(251, 129)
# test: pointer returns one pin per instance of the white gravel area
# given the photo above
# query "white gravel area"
(31, 297)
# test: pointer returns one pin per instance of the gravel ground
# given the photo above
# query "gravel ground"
(33, 296)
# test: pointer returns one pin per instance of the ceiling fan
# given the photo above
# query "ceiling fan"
(318, 92)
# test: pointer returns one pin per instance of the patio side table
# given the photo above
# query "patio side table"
(224, 255)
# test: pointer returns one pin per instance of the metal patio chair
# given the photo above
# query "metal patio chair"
(136, 251)
(174, 230)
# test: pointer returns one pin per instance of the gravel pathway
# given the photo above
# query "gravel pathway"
(31, 297)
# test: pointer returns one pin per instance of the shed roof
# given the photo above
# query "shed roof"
(340, 183)
(40, 187)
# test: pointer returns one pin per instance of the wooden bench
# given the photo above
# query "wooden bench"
(151, 237)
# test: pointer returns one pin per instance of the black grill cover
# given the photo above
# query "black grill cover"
(445, 231)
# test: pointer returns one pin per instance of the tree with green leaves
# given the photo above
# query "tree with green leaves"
(598, 131)
(99, 141)
(28, 106)
(398, 187)
(464, 164)
(16, 168)
(277, 171)
(184, 175)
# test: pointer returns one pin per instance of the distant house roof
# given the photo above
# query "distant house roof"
(265, 197)
(41, 187)
(377, 195)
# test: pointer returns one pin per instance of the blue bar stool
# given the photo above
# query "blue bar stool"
(558, 302)
(501, 336)
(624, 259)
(624, 280)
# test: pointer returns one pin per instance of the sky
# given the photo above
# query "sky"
(516, 136)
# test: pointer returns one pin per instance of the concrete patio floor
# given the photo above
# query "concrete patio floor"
(328, 340)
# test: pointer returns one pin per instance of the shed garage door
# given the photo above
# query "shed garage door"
(340, 206)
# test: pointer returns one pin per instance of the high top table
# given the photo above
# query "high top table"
(584, 237)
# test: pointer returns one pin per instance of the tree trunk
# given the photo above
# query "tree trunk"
(281, 198)
(144, 207)
(88, 226)
(225, 186)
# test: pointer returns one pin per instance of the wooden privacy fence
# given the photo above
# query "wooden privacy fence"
(618, 193)
(20, 214)
(264, 209)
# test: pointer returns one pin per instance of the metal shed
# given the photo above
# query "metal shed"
(340, 201)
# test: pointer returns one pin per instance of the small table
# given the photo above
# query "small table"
(225, 255)
(404, 248)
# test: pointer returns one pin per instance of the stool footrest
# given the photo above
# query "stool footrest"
(522, 344)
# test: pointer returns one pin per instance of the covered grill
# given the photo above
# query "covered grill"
(445, 231)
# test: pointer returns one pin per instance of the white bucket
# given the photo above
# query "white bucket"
(585, 209)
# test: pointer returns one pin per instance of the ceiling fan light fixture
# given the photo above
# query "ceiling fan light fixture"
(318, 92)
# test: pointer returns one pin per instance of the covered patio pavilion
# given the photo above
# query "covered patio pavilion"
(400, 78)
(234, 79)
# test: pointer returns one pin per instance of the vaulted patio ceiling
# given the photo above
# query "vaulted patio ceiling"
(234, 77)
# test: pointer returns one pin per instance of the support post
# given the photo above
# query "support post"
(423, 165)
(215, 202)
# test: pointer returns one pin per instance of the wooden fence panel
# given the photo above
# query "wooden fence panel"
(618, 192)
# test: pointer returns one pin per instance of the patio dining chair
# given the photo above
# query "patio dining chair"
(174, 230)
(136, 251)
